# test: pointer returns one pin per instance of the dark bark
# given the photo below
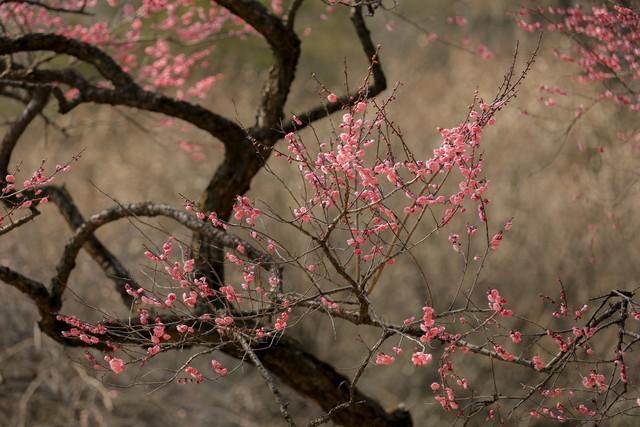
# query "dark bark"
(108, 262)
(319, 381)
(34, 107)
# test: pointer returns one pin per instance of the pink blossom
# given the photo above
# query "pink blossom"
(384, 359)
(497, 302)
(495, 241)
(116, 364)
(184, 328)
(595, 380)
(505, 355)
(195, 374)
(538, 364)
(188, 265)
(420, 359)
(218, 368)
(586, 411)
(224, 321)
(170, 299)
(281, 321)
(190, 298)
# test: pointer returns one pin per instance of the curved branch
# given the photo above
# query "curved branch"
(285, 45)
(86, 52)
(126, 92)
(261, 19)
(147, 209)
(378, 85)
(34, 107)
(33, 289)
(108, 262)
(319, 381)
(20, 222)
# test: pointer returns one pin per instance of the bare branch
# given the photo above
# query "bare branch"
(86, 52)
(33, 289)
(293, 10)
(267, 378)
(378, 85)
(34, 107)
(109, 263)
(20, 222)
(285, 46)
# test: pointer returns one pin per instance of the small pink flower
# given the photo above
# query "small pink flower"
(217, 366)
(420, 359)
(116, 364)
(190, 299)
(194, 373)
(170, 299)
(384, 359)
(585, 411)
(188, 265)
(538, 363)
(495, 241)
(332, 98)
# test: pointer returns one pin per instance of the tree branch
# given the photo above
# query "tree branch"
(20, 222)
(375, 68)
(86, 52)
(78, 11)
(34, 107)
(285, 46)
(33, 289)
(108, 262)
(319, 381)
(126, 92)
(267, 378)
(148, 209)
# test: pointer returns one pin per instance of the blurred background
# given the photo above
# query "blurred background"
(571, 188)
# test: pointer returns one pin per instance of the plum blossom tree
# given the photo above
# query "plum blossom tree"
(361, 201)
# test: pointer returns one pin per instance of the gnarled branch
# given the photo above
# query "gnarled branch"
(147, 209)
(107, 261)
(33, 289)
(378, 85)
